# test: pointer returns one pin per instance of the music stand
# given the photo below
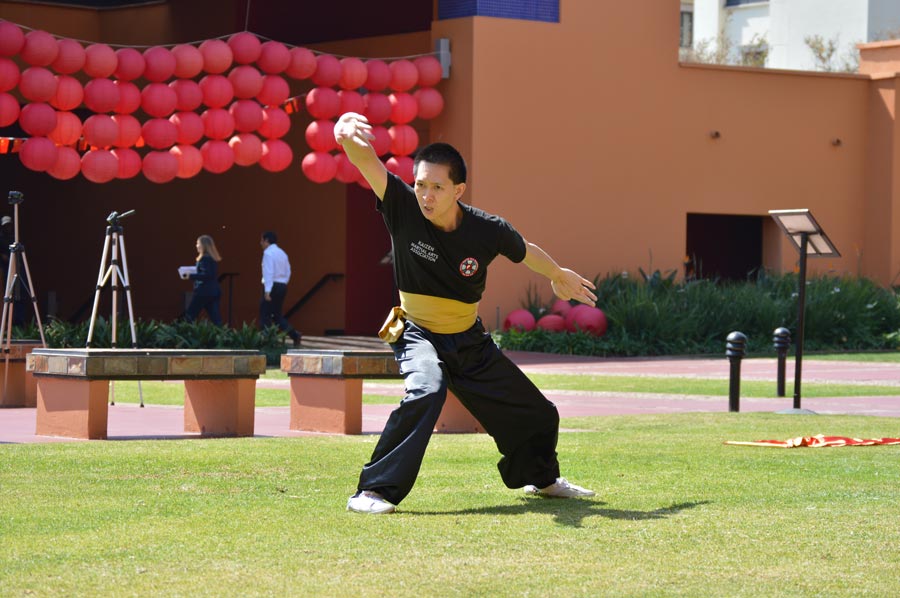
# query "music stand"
(811, 241)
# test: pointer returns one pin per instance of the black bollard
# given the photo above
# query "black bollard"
(781, 339)
(735, 347)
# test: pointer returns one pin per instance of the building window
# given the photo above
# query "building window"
(687, 28)
(740, 2)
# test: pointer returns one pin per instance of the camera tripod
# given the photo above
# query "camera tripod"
(13, 280)
(115, 239)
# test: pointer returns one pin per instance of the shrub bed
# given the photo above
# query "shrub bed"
(658, 316)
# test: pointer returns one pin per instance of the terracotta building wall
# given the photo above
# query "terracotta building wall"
(592, 139)
(587, 134)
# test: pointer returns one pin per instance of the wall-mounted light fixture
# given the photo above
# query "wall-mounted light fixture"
(714, 134)
(836, 142)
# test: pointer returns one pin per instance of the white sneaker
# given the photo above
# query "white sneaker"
(369, 502)
(561, 488)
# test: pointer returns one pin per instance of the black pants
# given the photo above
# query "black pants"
(270, 311)
(200, 302)
(522, 422)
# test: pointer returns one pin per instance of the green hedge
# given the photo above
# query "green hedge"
(657, 316)
(152, 334)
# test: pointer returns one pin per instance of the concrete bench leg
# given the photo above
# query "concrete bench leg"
(219, 407)
(14, 385)
(326, 404)
(72, 408)
(334, 405)
(456, 418)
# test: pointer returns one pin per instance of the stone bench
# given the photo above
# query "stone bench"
(17, 387)
(73, 387)
(326, 390)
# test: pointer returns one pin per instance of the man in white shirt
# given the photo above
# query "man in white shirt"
(276, 272)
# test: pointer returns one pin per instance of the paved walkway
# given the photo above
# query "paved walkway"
(128, 421)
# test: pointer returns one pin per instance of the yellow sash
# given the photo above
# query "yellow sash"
(437, 314)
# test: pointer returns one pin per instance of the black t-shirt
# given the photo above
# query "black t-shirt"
(452, 265)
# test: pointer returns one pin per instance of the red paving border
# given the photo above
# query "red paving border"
(128, 421)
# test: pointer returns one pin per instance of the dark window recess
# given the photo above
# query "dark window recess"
(722, 247)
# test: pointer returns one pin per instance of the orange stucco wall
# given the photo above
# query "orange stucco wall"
(587, 134)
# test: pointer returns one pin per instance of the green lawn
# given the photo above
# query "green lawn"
(678, 513)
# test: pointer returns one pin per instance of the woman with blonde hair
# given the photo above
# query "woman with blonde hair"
(206, 282)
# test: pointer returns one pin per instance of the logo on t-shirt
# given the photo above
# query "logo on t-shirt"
(468, 267)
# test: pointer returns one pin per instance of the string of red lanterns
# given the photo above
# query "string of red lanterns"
(237, 111)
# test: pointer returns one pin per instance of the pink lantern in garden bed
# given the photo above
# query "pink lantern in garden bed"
(521, 319)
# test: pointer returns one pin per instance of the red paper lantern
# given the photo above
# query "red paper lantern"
(319, 167)
(159, 133)
(130, 163)
(190, 160)
(129, 130)
(245, 47)
(276, 155)
(188, 95)
(430, 102)
(101, 95)
(68, 129)
(247, 114)
(404, 140)
(362, 182)
(303, 64)
(217, 156)
(323, 102)
(382, 141)
(247, 149)
(586, 318)
(217, 123)
(189, 125)
(561, 307)
(217, 56)
(38, 119)
(188, 61)
(351, 101)
(276, 123)
(100, 130)
(9, 110)
(430, 70)
(69, 93)
(129, 97)
(158, 99)
(38, 154)
(328, 71)
(37, 84)
(130, 64)
(402, 166)
(274, 91)
(378, 75)
(274, 58)
(353, 73)
(520, 319)
(346, 171)
(160, 167)
(69, 59)
(40, 48)
(552, 323)
(99, 166)
(246, 81)
(9, 74)
(378, 108)
(100, 61)
(217, 91)
(320, 135)
(159, 64)
(11, 39)
(68, 164)
(404, 75)
(403, 107)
